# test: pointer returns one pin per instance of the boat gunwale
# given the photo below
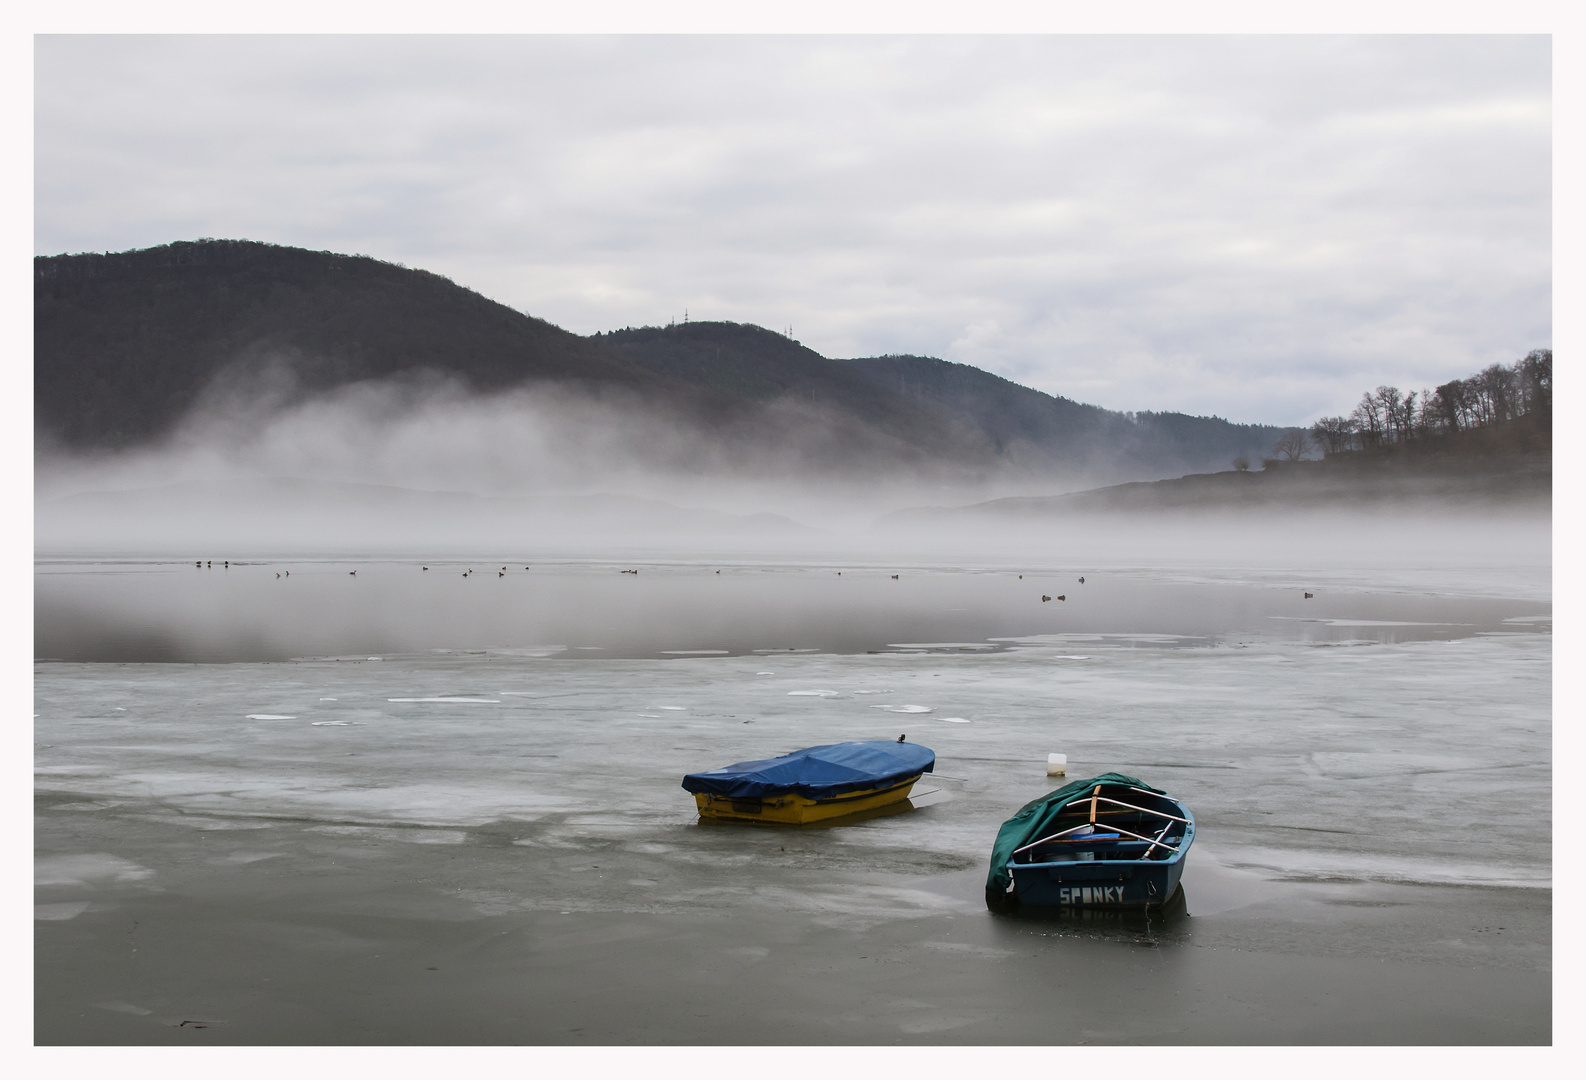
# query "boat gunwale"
(789, 793)
(1178, 851)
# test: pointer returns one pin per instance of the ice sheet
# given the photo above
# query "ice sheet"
(1298, 760)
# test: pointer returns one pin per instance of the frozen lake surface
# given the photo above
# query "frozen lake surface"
(482, 773)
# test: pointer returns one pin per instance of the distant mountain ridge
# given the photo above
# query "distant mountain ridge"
(126, 345)
(1020, 420)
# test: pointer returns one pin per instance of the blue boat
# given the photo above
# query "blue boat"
(1112, 841)
(816, 784)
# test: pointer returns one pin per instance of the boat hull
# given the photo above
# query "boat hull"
(790, 808)
(1092, 845)
(1099, 884)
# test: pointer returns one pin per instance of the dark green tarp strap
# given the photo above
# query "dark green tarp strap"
(1033, 818)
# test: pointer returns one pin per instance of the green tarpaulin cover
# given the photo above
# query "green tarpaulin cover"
(1033, 818)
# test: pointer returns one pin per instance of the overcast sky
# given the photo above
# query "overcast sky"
(1257, 228)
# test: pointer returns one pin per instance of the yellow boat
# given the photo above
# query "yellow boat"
(818, 784)
(792, 809)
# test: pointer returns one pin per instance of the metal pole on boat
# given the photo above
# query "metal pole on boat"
(1147, 839)
(1129, 806)
(1048, 839)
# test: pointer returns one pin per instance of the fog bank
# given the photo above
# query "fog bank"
(426, 469)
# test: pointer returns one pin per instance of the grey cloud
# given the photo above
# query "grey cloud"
(1256, 227)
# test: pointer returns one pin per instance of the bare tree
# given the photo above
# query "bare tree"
(1290, 446)
(1452, 404)
(1428, 418)
(1496, 394)
(1333, 434)
(1388, 406)
(1242, 463)
(1406, 423)
(1535, 380)
(1367, 419)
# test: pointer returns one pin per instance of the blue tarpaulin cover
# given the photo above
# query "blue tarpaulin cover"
(817, 772)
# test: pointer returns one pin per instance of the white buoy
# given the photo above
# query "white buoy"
(1056, 764)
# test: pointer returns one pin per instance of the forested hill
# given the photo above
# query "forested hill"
(1027, 430)
(1028, 423)
(765, 367)
(127, 344)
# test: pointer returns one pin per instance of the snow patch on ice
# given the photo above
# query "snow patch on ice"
(59, 912)
(448, 700)
(410, 836)
(942, 645)
(91, 869)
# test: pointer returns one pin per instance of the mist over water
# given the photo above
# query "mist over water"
(433, 435)
(410, 464)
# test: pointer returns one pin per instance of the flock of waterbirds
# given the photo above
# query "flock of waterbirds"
(502, 572)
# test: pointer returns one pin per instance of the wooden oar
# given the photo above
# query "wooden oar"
(1146, 854)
